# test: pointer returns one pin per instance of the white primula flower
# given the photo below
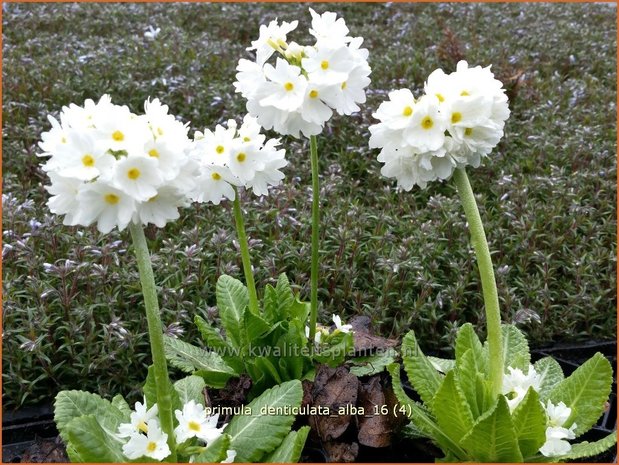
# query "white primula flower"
(329, 28)
(194, 422)
(108, 206)
(299, 94)
(140, 419)
(271, 36)
(153, 444)
(317, 335)
(557, 414)
(556, 441)
(151, 33)
(138, 176)
(426, 130)
(81, 158)
(161, 208)
(516, 384)
(272, 160)
(63, 200)
(339, 326)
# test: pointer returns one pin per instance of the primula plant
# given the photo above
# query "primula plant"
(489, 404)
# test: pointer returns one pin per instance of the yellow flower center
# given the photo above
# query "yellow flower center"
(468, 131)
(118, 136)
(427, 123)
(456, 117)
(88, 161)
(440, 98)
(241, 157)
(246, 139)
(160, 131)
(141, 426)
(344, 85)
(153, 153)
(464, 93)
(324, 64)
(63, 140)
(216, 176)
(407, 111)
(151, 446)
(194, 426)
(288, 86)
(220, 149)
(133, 173)
(112, 199)
(313, 94)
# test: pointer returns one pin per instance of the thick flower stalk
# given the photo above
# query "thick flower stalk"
(300, 91)
(229, 158)
(456, 123)
(111, 167)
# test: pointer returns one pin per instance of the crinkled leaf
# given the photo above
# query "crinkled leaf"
(482, 390)
(92, 442)
(216, 451)
(589, 449)
(232, 298)
(191, 359)
(255, 326)
(299, 310)
(585, 392)
(254, 435)
(373, 364)
(515, 348)
(190, 388)
(467, 381)
(493, 438)
(422, 375)
(467, 339)
(529, 419)
(289, 451)
(70, 405)
(551, 374)
(451, 410)
(212, 338)
(422, 420)
(121, 404)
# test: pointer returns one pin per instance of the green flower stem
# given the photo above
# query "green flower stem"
(249, 275)
(315, 241)
(488, 283)
(155, 333)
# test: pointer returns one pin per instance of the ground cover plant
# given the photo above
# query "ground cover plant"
(560, 274)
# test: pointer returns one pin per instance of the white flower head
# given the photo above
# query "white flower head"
(230, 456)
(339, 326)
(140, 419)
(194, 422)
(151, 33)
(556, 441)
(271, 37)
(153, 444)
(516, 384)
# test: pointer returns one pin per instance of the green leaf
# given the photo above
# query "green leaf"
(442, 364)
(216, 451)
(482, 390)
(421, 418)
(515, 348)
(451, 409)
(232, 298)
(150, 390)
(493, 438)
(190, 388)
(255, 327)
(551, 375)
(289, 451)
(529, 419)
(585, 392)
(70, 405)
(421, 374)
(254, 435)
(74, 457)
(589, 449)
(121, 404)
(189, 358)
(212, 338)
(467, 340)
(299, 310)
(467, 381)
(92, 443)
(373, 364)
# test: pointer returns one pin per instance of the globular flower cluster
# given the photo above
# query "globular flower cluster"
(459, 119)
(235, 156)
(515, 386)
(109, 166)
(147, 440)
(308, 82)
